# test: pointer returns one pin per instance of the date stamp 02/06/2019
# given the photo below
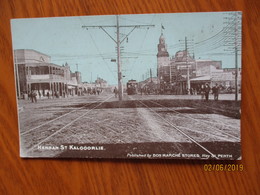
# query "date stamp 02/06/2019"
(223, 167)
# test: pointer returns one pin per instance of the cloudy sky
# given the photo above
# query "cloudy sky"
(64, 39)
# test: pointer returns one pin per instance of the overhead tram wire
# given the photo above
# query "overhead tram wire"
(99, 52)
(154, 49)
(132, 67)
(80, 57)
(211, 46)
(217, 42)
(213, 42)
(210, 38)
(140, 48)
(102, 56)
(215, 37)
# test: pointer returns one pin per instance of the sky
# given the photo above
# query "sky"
(64, 39)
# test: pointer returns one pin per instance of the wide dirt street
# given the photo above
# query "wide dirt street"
(184, 124)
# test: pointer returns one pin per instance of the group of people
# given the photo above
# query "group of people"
(33, 96)
(94, 91)
(205, 90)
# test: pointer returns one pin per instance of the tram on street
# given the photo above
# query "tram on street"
(131, 87)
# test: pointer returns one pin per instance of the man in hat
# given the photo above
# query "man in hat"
(215, 91)
(207, 90)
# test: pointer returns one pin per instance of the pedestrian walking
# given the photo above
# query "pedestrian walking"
(94, 91)
(202, 91)
(215, 91)
(29, 95)
(34, 96)
(207, 90)
(115, 92)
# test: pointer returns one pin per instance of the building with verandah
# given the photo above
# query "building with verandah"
(35, 72)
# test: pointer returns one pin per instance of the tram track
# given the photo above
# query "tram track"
(199, 121)
(188, 137)
(50, 135)
(180, 131)
(48, 122)
(211, 134)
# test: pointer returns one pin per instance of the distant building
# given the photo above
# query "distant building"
(182, 71)
(35, 72)
(101, 82)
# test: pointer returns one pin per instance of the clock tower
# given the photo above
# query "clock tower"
(162, 56)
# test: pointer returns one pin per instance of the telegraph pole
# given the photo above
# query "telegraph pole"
(170, 73)
(188, 69)
(151, 76)
(118, 42)
(119, 69)
(16, 65)
(236, 66)
(186, 50)
(232, 33)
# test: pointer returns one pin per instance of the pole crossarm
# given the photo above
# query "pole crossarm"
(118, 42)
(112, 26)
(105, 26)
(108, 34)
(136, 26)
(102, 28)
(128, 34)
(121, 26)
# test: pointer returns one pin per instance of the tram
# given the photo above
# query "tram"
(131, 87)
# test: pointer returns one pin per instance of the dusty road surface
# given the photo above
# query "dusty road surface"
(101, 126)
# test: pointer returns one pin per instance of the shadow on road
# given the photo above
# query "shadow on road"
(224, 107)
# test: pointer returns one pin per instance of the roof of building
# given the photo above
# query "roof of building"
(32, 50)
(202, 78)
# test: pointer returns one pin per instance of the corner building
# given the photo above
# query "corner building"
(35, 72)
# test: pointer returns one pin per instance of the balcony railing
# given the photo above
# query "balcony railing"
(47, 77)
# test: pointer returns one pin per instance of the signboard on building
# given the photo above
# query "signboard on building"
(222, 76)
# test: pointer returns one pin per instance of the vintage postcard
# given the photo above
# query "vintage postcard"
(144, 86)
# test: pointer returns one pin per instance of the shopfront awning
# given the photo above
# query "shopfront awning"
(202, 78)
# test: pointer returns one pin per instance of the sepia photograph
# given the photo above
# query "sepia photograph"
(148, 86)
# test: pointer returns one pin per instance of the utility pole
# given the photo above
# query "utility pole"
(170, 73)
(119, 70)
(188, 69)
(118, 42)
(232, 33)
(236, 48)
(151, 75)
(186, 50)
(16, 65)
